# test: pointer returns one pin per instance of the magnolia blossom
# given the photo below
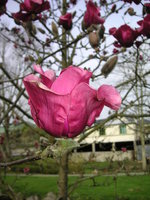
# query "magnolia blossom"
(66, 21)
(92, 15)
(30, 9)
(124, 149)
(26, 170)
(2, 6)
(125, 35)
(145, 26)
(64, 106)
(115, 51)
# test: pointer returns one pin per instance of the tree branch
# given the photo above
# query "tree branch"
(27, 159)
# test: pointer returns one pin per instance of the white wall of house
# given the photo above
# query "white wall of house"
(102, 156)
(112, 134)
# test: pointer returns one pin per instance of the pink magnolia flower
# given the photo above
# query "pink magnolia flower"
(30, 9)
(115, 51)
(64, 106)
(124, 149)
(26, 170)
(66, 21)
(2, 6)
(135, 1)
(125, 35)
(116, 44)
(145, 26)
(92, 15)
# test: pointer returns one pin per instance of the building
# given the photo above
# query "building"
(116, 136)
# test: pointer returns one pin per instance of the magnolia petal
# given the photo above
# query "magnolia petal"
(26, 4)
(37, 1)
(84, 108)
(48, 76)
(48, 109)
(66, 21)
(32, 77)
(109, 96)
(69, 78)
(112, 31)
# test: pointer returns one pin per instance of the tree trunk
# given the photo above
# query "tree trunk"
(142, 134)
(63, 177)
(144, 164)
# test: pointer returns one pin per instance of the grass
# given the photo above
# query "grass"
(106, 187)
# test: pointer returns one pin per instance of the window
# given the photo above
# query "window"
(102, 131)
(122, 129)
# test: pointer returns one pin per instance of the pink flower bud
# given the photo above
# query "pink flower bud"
(66, 21)
(115, 51)
(124, 149)
(26, 170)
(92, 15)
(141, 57)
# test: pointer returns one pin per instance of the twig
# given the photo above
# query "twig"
(20, 161)
(14, 104)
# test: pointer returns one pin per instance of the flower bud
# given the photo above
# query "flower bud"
(115, 51)
(113, 8)
(83, 26)
(54, 29)
(41, 30)
(101, 31)
(74, 14)
(94, 39)
(131, 11)
(109, 66)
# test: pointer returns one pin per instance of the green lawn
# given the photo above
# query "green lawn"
(107, 188)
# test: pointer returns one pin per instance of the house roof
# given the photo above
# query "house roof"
(124, 120)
